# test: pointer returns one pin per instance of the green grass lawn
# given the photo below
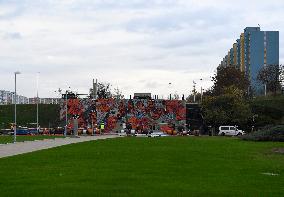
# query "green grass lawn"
(173, 166)
(10, 139)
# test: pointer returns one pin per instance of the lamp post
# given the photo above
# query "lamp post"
(194, 91)
(37, 100)
(201, 91)
(170, 96)
(66, 113)
(15, 100)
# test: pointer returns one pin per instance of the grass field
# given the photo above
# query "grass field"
(173, 166)
(10, 139)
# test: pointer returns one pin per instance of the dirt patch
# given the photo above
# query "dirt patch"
(278, 150)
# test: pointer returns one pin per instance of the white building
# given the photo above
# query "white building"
(7, 97)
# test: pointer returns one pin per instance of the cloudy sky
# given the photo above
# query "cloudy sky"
(136, 45)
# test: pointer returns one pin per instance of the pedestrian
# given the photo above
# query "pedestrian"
(102, 128)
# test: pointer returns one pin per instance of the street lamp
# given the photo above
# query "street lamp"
(170, 96)
(194, 91)
(201, 91)
(66, 113)
(15, 100)
(37, 99)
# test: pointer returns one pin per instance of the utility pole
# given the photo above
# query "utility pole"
(95, 89)
(15, 100)
(194, 91)
(37, 99)
(201, 92)
(66, 113)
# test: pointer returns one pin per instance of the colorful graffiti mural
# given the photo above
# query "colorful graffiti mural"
(138, 113)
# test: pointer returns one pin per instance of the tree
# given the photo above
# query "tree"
(176, 96)
(229, 76)
(103, 91)
(272, 77)
(190, 98)
(230, 108)
(118, 93)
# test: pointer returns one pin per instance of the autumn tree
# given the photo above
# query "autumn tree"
(229, 108)
(229, 76)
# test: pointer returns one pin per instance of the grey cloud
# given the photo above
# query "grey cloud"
(77, 39)
(179, 18)
(152, 85)
(12, 35)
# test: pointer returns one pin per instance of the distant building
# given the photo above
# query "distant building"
(142, 95)
(7, 97)
(253, 50)
(44, 100)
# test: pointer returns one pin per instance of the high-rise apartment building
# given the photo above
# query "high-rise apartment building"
(253, 50)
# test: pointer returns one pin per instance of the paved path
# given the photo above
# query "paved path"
(7, 150)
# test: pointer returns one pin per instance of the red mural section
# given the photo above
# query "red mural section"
(138, 114)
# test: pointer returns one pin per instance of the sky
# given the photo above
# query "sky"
(157, 46)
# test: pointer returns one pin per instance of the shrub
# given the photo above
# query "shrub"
(275, 133)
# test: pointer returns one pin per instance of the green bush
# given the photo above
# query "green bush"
(275, 133)
(26, 113)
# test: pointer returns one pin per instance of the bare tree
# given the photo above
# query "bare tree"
(118, 93)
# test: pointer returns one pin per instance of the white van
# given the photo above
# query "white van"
(230, 130)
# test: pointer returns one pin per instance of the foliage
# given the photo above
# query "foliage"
(179, 166)
(176, 96)
(26, 113)
(268, 110)
(190, 98)
(104, 90)
(118, 94)
(275, 133)
(229, 76)
(272, 76)
(230, 108)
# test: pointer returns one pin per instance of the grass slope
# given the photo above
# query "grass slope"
(173, 166)
(10, 139)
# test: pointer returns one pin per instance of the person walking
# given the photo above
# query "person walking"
(102, 129)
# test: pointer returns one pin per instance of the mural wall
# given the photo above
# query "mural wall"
(139, 113)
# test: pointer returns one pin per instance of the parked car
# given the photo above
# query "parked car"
(230, 130)
(23, 131)
(157, 134)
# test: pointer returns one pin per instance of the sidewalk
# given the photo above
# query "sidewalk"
(7, 150)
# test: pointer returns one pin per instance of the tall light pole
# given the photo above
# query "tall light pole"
(194, 91)
(201, 91)
(37, 77)
(15, 100)
(170, 96)
(66, 113)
